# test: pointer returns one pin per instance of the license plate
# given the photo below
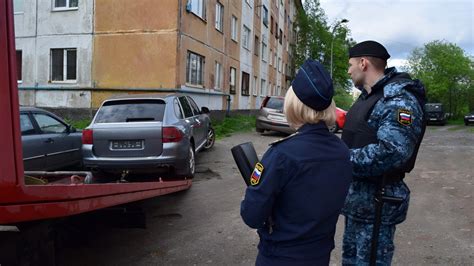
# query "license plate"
(126, 144)
(276, 118)
(471, 120)
(432, 119)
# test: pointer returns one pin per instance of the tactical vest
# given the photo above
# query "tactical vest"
(357, 133)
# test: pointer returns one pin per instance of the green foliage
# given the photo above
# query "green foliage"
(233, 124)
(314, 39)
(343, 99)
(447, 73)
(79, 124)
(458, 121)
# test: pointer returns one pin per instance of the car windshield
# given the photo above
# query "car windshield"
(434, 108)
(131, 111)
(275, 103)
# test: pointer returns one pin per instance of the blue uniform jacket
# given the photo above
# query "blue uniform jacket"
(302, 188)
(396, 143)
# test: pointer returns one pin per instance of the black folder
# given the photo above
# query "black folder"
(246, 158)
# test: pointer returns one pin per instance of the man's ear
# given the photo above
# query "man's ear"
(363, 63)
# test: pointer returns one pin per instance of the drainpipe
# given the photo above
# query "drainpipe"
(227, 114)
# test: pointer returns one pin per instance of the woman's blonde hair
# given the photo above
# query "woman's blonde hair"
(298, 114)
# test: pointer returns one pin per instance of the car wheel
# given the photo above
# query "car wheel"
(259, 130)
(191, 163)
(210, 140)
(334, 128)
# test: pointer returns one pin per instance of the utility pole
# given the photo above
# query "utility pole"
(332, 39)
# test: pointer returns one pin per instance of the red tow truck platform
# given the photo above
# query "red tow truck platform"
(65, 194)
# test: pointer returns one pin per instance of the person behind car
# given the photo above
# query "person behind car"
(298, 188)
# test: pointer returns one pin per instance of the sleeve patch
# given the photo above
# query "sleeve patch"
(256, 174)
(404, 117)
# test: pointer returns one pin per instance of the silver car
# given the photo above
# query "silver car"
(48, 142)
(271, 117)
(146, 134)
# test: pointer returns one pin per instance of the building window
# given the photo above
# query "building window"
(264, 52)
(197, 7)
(275, 61)
(265, 16)
(262, 87)
(270, 57)
(279, 64)
(246, 38)
(232, 80)
(63, 64)
(254, 88)
(19, 63)
(18, 6)
(278, 92)
(245, 83)
(280, 36)
(218, 76)
(233, 28)
(219, 16)
(195, 69)
(256, 47)
(65, 4)
(271, 24)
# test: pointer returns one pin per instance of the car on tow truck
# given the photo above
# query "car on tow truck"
(147, 133)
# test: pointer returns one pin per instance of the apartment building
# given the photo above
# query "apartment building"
(227, 54)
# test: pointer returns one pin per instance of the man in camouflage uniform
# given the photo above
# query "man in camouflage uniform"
(383, 129)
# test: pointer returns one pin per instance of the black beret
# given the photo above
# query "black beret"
(369, 48)
(313, 85)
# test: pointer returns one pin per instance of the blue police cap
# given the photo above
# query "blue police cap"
(313, 85)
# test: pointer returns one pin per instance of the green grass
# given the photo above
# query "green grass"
(457, 127)
(79, 124)
(234, 124)
(459, 121)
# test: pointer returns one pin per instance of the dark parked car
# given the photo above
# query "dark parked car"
(49, 143)
(271, 117)
(434, 114)
(469, 118)
(147, 133)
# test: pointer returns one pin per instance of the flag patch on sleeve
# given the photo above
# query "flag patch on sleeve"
(405, 117)
(256, 174)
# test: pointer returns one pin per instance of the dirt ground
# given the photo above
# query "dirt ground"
(202, 226)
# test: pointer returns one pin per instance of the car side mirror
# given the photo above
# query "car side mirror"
(71, 129)
(204, 110)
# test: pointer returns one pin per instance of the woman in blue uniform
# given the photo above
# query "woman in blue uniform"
(299, 187)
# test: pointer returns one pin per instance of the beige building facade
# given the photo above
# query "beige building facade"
(226, 54)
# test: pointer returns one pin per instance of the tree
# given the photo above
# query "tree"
(447, 73)
(314, 37)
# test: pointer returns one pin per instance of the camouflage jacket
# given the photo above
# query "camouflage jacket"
(396, 143)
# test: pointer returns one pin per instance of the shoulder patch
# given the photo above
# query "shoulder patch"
(256, 174)
(404, 117)
(283, 139)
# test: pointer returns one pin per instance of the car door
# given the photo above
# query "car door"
(203, 123)
(58, 146)
(34, 156)
(190, 120)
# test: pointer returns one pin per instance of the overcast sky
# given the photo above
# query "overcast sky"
(402, 25)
